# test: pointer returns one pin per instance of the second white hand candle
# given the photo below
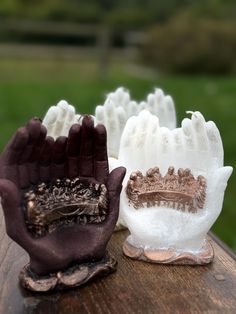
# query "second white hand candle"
(171, 224)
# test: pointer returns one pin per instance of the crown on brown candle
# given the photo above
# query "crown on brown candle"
(64, 202)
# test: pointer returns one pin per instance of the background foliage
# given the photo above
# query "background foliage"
(192, 46)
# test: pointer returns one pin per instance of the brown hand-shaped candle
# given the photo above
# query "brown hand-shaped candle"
(60, 203)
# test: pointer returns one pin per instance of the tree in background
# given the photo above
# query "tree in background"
(199, 39)
(122, 13)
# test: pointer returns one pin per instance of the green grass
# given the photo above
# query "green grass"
(28, 88)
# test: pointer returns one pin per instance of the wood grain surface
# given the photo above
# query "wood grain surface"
(136, 287)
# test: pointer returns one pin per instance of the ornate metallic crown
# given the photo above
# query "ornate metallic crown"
(180, 191)
(64, 202)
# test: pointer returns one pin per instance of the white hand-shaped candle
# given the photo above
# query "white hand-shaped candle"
(119, 107)
(169, 209)
(59, 119)
(114, 119)
(162, 106)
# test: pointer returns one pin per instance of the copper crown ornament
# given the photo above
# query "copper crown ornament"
(180, 191)
(64, 202)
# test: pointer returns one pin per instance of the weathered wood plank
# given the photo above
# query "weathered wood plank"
(136, 287)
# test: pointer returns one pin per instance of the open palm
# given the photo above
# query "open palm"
(31, 158)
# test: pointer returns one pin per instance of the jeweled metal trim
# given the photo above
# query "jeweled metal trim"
(180, 191)
(64, 202)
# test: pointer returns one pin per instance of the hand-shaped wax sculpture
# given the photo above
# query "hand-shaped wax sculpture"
(119, 107)
(59, 119)
(60, 203)
(174, 188)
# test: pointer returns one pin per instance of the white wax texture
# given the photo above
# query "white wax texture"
(196, 145)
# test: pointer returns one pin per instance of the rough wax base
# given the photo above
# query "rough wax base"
(74, 276)
(170, 256)
(175, 183)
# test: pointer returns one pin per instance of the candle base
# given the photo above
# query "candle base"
(74, 276)
(205, 256)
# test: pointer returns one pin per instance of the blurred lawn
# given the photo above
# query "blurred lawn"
(28, 88)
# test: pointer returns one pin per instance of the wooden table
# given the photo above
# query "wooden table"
(136, 287)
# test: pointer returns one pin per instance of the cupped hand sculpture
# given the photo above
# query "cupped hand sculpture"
(174, 188)
(119, 107)
(60, 203)
(59, 119)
